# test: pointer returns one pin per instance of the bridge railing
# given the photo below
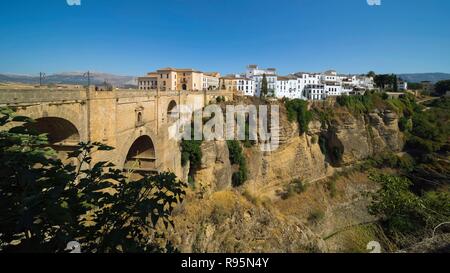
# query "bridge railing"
(39, 95)
(20, 96)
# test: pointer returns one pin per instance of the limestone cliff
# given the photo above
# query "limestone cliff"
(301, 156)
(228, 222)
(215, 172)
(254, 218)
(359, 137)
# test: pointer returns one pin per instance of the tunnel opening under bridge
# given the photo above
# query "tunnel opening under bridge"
(63, 136)
(141, 157)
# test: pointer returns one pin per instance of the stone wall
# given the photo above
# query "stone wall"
(117, 118)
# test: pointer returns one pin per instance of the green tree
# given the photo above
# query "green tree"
(237, 158)
(264, 87)
(44, 204)
(403, 211)
(394, 81)
(381, 81)
(415, 86)
(442, 87)
(371, 74)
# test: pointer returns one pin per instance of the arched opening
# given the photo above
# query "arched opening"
(184, 87)
(62, 135)
(141, 157)
(172, 111)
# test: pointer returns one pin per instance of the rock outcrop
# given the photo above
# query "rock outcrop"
(215, 172)
(228, 222)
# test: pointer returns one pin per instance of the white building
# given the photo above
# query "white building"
(402, 85)
(239, 84)
(304, 85)
(257, 75)
(315, 92)
(287, 88)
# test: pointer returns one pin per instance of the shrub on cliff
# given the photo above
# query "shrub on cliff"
(297, 110)
(191, 152)
(237, 158)
(360, 104)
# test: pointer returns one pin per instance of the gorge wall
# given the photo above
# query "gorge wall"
(255, 218)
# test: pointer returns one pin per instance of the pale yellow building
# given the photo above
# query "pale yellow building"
(211, 81)
(172, 79)
(149, 82)
(237, 84)
(229, 83)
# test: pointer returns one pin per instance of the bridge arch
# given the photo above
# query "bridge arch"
(172, 111)
(63, 135)
(59, 130)
(141, 156)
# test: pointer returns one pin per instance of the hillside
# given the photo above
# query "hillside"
(419, 77)
(78, 78)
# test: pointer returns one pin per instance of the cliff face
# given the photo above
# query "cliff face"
(254, 218)
(360, 137)
(228, 222)
(355, 138)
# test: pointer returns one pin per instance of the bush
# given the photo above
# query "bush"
(397, 206)
(359, 104)
(295, 187)
(298, 186)
(316, 216)
(442, 87)
(297, 110)
(405, 124)
(332, 188)
(235, 152)
(191, 152)
(403, 211)
(237, 158)
(239, 178)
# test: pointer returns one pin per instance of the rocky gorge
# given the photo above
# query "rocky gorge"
(263, 215)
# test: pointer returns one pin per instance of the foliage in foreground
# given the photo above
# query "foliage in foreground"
(44, 203)
(404, 213)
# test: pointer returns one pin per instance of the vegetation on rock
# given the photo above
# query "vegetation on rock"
(297, 110)
(237, 158)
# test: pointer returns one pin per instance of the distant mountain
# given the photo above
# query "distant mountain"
(419, 77)
(72, 78)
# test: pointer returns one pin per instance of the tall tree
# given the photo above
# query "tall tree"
(442, 87)
(381, 81)
(264, 87)
(371, 74)
(394, 82)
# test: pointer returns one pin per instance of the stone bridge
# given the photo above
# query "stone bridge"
(135, 122)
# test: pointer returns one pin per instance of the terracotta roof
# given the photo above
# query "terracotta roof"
(178, 70)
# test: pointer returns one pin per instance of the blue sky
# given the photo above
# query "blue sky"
(136, 36)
